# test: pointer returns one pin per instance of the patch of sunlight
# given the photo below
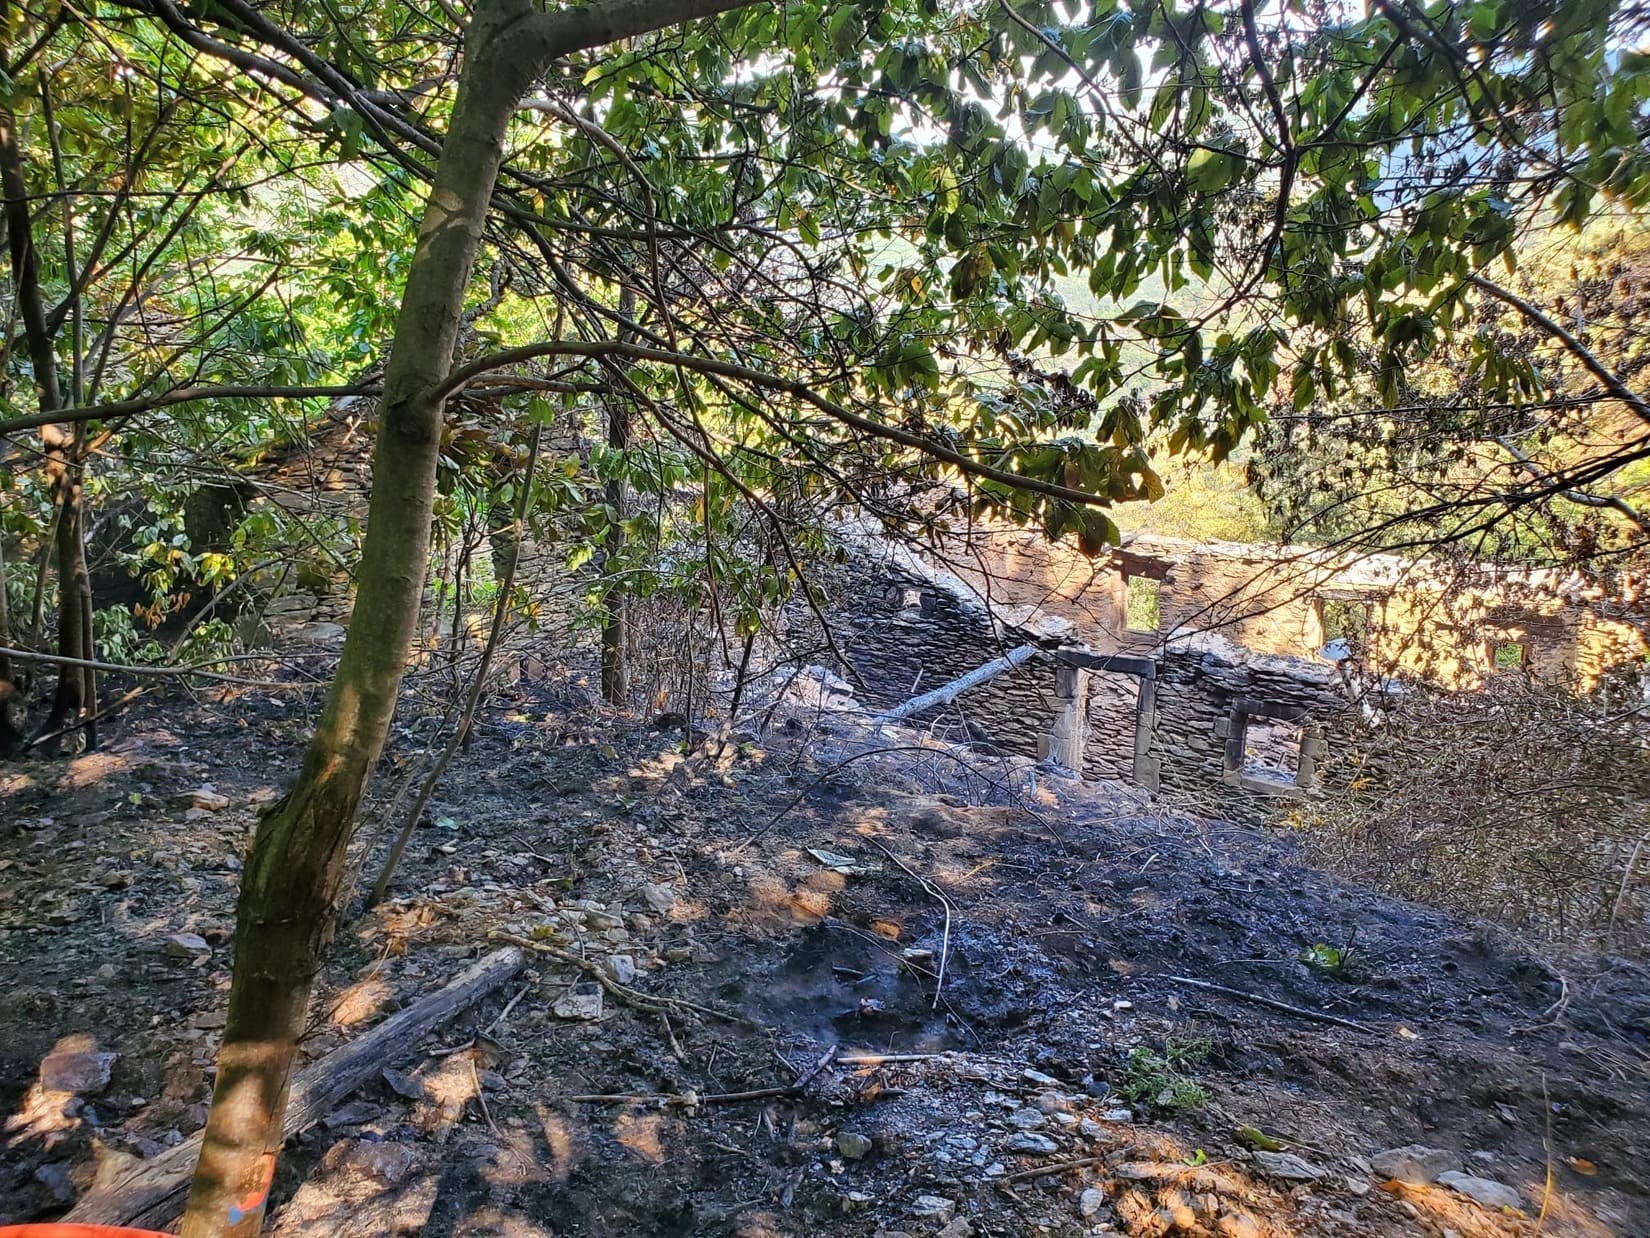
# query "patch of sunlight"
(362, 1001)
(93, 769)
(775, 904)
(562, 1144)
(52, 1104)
(641, 1133)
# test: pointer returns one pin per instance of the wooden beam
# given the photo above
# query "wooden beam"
(151, 1191)
(949, 692)
(1119, 663)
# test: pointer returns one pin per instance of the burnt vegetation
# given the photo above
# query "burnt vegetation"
(709, 617)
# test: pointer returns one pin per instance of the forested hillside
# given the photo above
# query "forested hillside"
(468, 469)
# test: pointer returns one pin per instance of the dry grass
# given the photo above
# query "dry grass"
(1524, 802)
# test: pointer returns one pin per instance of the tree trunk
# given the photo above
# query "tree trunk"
(294, 875)
(615, 600)
(76, 687)
(63, 470)
(13, 707)
(290, 889)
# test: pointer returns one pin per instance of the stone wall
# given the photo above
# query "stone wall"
(320, 485)
(1235, 714)
(1210, 732)
(905, 632)
(1435, 620)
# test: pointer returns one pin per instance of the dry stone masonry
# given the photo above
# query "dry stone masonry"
(1256, 657)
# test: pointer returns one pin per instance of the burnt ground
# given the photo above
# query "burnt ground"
(1060, 1080)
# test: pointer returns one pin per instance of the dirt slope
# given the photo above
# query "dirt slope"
(1068, 917)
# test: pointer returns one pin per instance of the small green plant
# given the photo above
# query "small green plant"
(1166, 1079)
(1331, 959)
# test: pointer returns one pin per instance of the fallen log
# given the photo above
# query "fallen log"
(150, 1192)
(946, 693)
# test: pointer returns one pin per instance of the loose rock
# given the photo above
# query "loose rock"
(83, 1072)
(660, 898)
(852, 1145)
(1031, 1143)
(582, 1001)
(934, 1207)
(1486, 1191)
(188, 946)
(1288, 1166)
(1414, 1163)
(205, 799)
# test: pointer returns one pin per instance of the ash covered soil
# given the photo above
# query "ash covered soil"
(776, 914)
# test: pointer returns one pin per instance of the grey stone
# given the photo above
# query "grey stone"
(353, 1114)
(934, 1207)
(1031, 1143)
(1485, 1191)
(582, 1001)
(204, 798)
(660, 898)
(1090, 1202)
(853, 1146)
(55, 1177)
(1027, 1119)
(387, 1162)
(188, 946)
(84, 1072)
(1414, 1163)
(1288, 1166)
(621, 968)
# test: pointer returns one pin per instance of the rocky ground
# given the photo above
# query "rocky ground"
(969, 998)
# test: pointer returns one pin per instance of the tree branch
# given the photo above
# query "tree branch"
(181, 395)
(545, 36)
(774, 382)
(1608, 378)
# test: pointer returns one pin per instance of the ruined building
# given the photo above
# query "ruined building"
(1215, 670)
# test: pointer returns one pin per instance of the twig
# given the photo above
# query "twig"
(508, 1007)
(684, 1100)
(885, 1059)
(477, 686)
(690, 1099)
(625, 994)
(107, 711)
(936, 892)
(1549, 1016)
(1547, 1147)
(807, 1076)
(192, 671)
(1059, 1167)
(485, 1112)
(1272, 1003)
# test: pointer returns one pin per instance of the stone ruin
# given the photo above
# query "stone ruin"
(1229, 682)
(1195, 669)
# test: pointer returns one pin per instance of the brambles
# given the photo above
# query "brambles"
(1166, 1079)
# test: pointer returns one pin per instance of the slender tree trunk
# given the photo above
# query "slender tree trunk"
(294, 875)
(76, 689)
(615, 600)
(292, 880)
(63, 470)
(13, 706)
